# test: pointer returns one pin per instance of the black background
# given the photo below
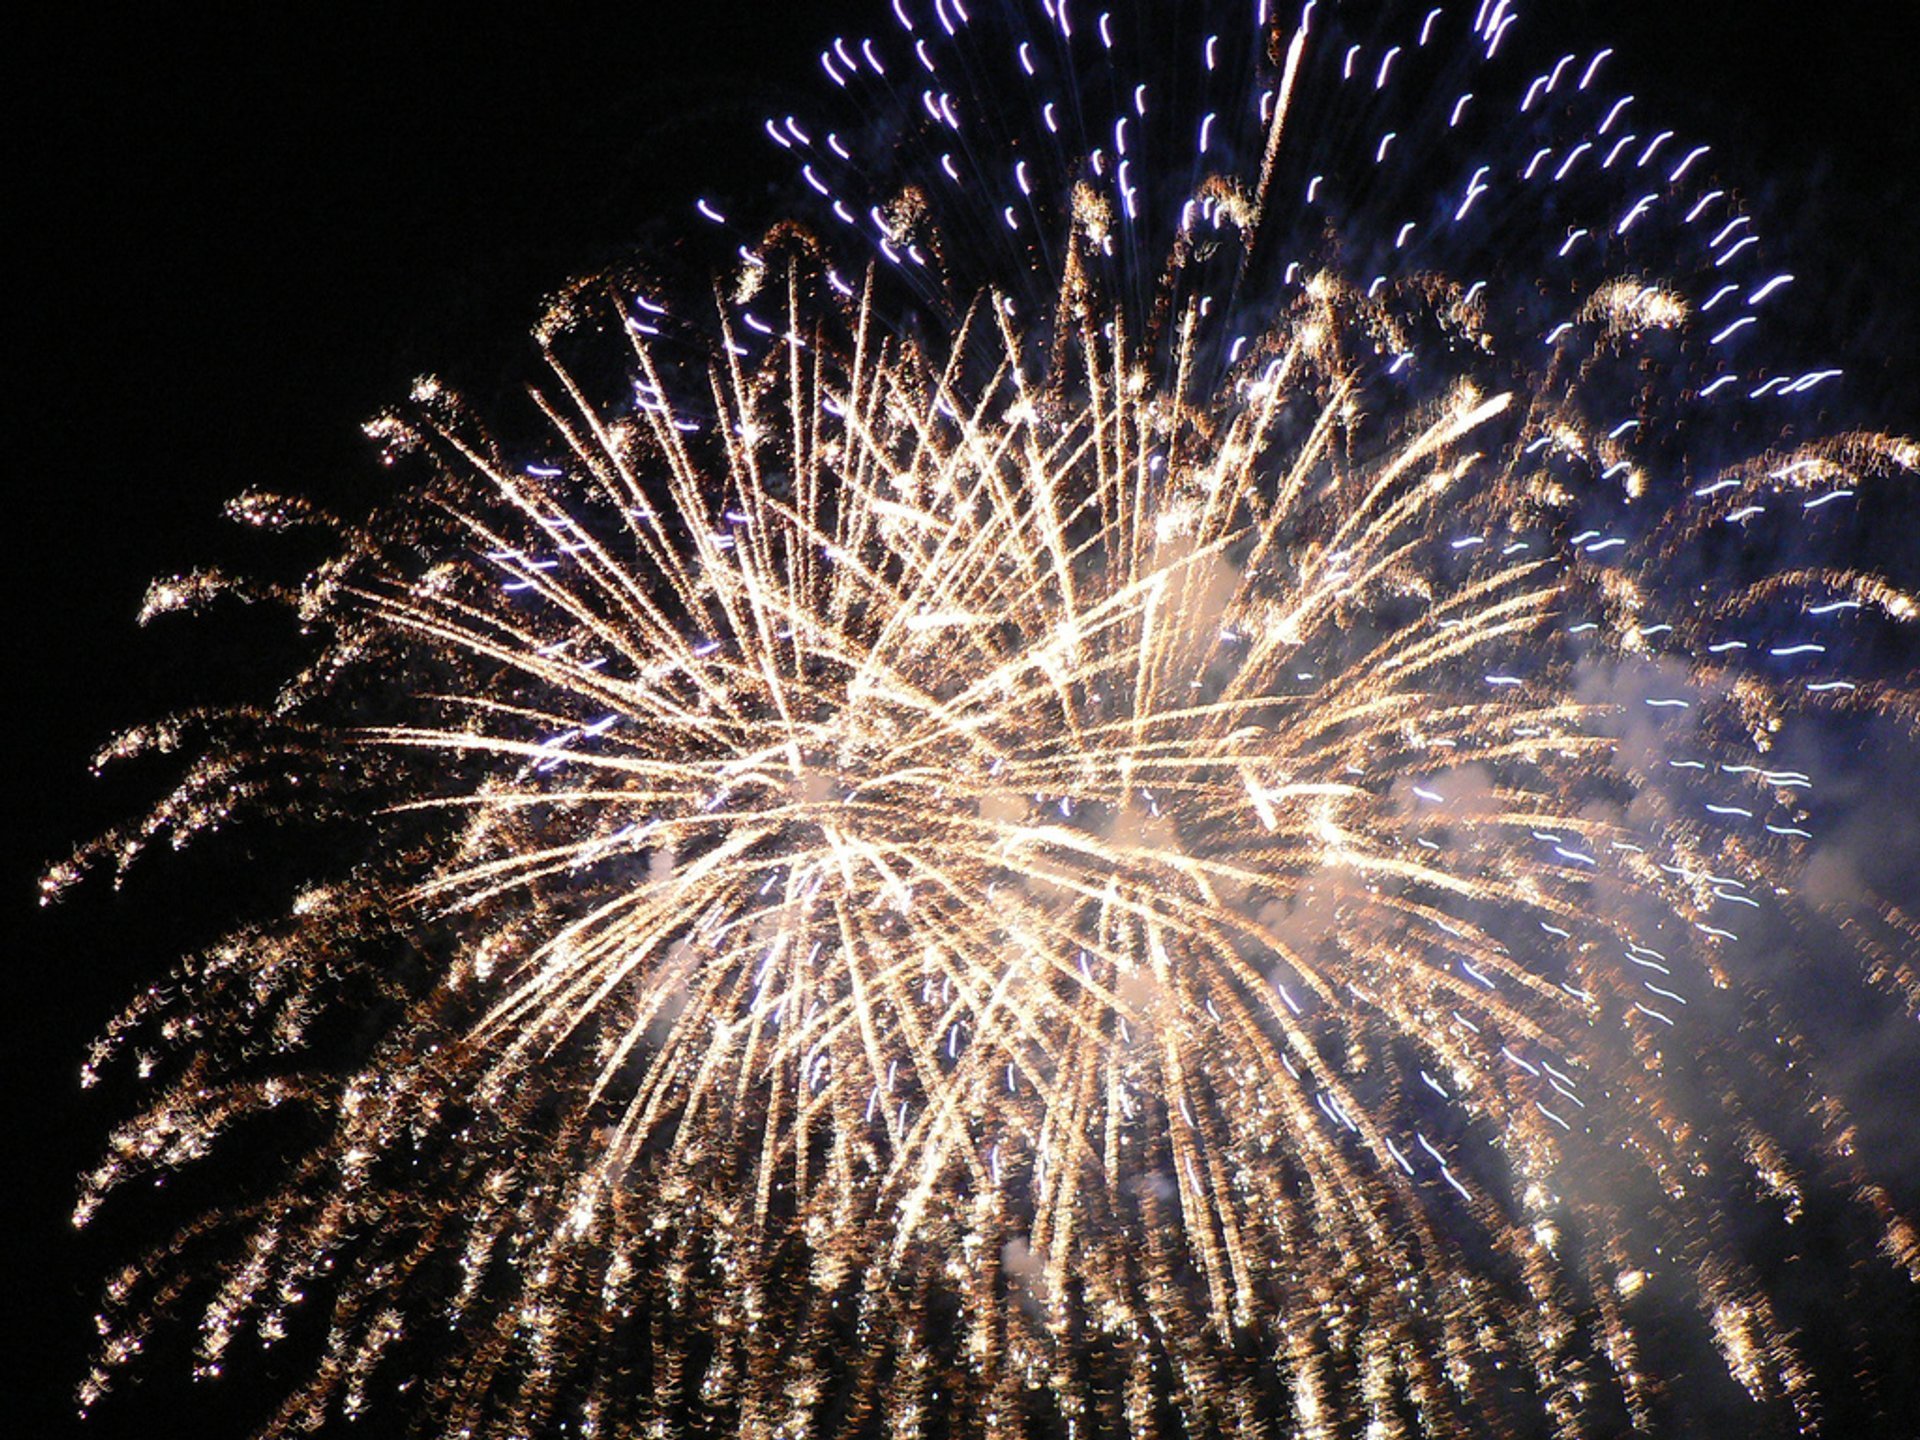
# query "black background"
(248, 227)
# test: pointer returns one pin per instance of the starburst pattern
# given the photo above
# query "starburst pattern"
(1153, 848)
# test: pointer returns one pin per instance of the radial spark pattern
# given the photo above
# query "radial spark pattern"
(1145, 785)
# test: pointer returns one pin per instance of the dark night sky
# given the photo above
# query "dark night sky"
(249, 226)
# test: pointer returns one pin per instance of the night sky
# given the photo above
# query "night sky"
(248, 227)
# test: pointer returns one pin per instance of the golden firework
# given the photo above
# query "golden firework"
(1031, 879)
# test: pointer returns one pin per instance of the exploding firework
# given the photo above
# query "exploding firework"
(1147, 780)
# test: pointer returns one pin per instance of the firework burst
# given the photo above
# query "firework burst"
(1108, 797)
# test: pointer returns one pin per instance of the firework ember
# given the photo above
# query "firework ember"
(1142, 781)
